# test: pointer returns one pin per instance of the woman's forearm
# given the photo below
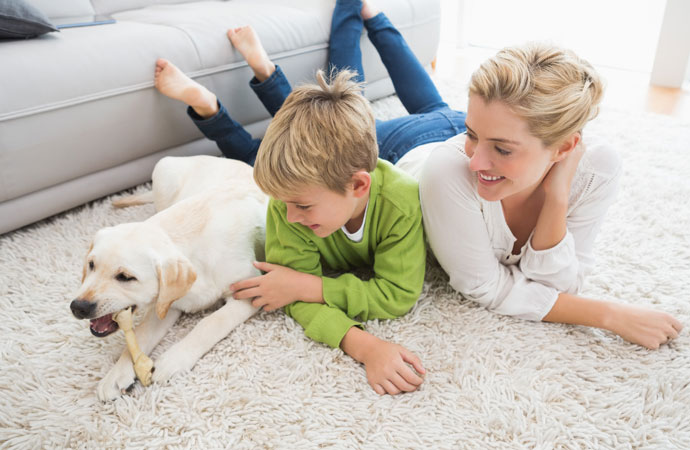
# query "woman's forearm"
(551, 225)
(577, 310)
(636, 324)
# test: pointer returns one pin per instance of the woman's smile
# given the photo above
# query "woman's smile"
(489, 180)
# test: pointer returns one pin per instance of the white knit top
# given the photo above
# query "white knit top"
(473, 243)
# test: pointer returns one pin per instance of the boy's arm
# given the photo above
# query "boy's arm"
(321, 323)
(288, 246)
(386, 363)
(399, 264)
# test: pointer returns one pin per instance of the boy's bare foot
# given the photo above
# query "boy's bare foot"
(172, 82)
(368, 11)
(247, 42)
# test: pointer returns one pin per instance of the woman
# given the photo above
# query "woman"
(511, 208)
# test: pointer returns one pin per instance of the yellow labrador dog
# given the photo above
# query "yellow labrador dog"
(208, 230)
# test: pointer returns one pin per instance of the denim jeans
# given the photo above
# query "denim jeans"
(429, 120)
(232, 139)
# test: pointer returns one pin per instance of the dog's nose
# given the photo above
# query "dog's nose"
(82, 309)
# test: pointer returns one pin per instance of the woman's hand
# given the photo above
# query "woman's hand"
(642, 326)
(551, 224)
(557, 182)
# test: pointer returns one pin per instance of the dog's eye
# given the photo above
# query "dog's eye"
(124, 277)
(91, 265)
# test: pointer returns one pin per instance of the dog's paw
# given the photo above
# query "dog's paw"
(173, 361)
(118, 381)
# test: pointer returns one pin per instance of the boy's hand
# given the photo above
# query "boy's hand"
(389, 366)
(278, 287)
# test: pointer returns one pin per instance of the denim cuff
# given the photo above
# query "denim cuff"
(198, 119)
(215, 127)
(276, 79)
(273, 91)
(354, 3)
(377, 22)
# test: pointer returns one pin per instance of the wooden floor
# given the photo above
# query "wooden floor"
(624, 89)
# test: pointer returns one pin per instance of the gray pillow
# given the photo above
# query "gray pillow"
(19, 19)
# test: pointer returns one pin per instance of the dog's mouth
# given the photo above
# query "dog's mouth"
(105, 325)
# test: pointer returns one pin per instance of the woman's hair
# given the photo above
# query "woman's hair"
(552, 88)
(322, 135)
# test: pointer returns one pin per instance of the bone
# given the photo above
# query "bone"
(143, 365)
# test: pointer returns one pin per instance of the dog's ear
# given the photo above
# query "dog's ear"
(175, 279)
(86, 263)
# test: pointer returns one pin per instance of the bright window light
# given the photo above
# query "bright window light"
(620, 34)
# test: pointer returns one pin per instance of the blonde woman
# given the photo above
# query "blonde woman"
(512, 207)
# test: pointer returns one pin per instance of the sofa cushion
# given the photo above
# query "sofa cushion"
(67, 98)
(113, 6)
(63, 8)
(289, 27)
(18, 19)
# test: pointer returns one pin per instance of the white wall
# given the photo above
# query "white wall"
(673, 49)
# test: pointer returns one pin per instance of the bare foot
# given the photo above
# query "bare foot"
(247, 42)
(172, 82)
(368, 11)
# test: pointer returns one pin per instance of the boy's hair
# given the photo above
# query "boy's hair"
(553, 89)
(322, 135)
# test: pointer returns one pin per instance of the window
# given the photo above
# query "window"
(622, 34)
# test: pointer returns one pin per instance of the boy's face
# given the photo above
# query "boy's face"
(325, 211)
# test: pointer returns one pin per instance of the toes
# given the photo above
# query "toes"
(108, 391)
(129, 388)
(166, 367)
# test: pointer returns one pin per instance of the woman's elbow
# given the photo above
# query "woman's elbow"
(482, 293)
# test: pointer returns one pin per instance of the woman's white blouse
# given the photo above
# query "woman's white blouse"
(473, 243)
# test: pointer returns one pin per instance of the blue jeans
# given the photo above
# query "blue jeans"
(429, 120)
(232, 139)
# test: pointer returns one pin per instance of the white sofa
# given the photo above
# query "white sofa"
(80, 119)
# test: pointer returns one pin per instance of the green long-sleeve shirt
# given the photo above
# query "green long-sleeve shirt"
(393, 245)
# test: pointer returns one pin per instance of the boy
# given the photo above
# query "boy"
(336, 205)
(430, 120)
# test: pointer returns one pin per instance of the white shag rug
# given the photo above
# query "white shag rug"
(493, 382)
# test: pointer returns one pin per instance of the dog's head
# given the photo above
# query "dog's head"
(130, 265)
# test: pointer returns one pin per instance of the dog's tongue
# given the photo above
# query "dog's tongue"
(102, 324)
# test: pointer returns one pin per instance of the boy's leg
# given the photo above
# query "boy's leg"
(206, 112)
(346, 32)
(269, 82)
(231, 138)
(412, 83)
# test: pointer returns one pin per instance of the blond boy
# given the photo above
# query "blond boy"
(336, 205)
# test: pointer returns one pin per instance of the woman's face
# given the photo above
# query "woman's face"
(505, 157)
